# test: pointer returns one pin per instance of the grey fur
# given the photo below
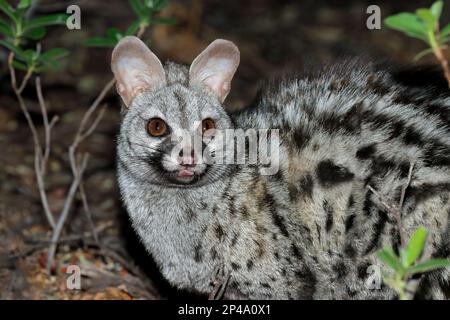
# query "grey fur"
(311, 231)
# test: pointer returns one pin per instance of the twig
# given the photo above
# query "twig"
(88, 213)
(85, 235)
(220, 285)
(396, 211)
(64, 214)
(439, 53)
(41, 161)
(39, 158)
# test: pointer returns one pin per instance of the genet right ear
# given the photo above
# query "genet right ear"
(136, 69)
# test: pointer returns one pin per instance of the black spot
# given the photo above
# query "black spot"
(249, 265)
(277, 219)
(351, 122)
(265, 285)
(191, 215)
(307, 185)
(244, 212)
(367, 205)
(279, 222)
(330, 174)
(235, 266)
(349, 221)
(293, 192)
(425, 191)
(412, 137)
(366, 152)
(330, 122)
(235, 239)
(300, 139)
(278, 176)
(231, 206)
(329, 215)
(340, 269)
(437, 154)
(260, 250)
(308, 281)
(377, 85)
(379, 227)
(362, 270)
(276, 255)
(351, 201)
(234, 284)
(382, 166)
(203, 205)
(396, 129)
(404, 169)
(261, 229)
(213, 253)
(198, 256)
(296, 251)
(219, 232)
(350, 251)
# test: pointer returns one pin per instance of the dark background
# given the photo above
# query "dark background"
(273, 37)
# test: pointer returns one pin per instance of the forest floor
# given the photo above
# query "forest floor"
(273, 36)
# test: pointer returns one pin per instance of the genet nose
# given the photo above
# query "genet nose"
(187, 160)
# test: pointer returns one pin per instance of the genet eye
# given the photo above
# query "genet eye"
(156, 127)
(208, 124)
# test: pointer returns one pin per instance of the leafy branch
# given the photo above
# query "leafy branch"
(18, 31)
(424, 25)
(405, 265)
(146, 12)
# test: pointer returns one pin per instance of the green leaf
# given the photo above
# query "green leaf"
(416, 245)
(49, 65)
(436, 9)
(388, 256)
(52, 19)
(427, 17)
(53, 54)
(11, 47)
(8, 10)
(422, 54)
(158, 5)
(445, 31)
(429, 265)
(5, 29)
(114, 34)
(407, 23)
(19, 65)
(100, 42)
(35, 34)
(137, 7)
(164, 20)
(133, 28)
(24, 4)
(31, 55)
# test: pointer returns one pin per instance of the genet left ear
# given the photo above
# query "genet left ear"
(214, 68)
(136, 69)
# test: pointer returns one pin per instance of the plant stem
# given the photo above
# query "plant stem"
(39, 158)
(439, 54)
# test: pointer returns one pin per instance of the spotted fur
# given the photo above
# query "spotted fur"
(312, 230)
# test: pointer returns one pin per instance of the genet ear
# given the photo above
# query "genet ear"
(214, 68)
(135, 68)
